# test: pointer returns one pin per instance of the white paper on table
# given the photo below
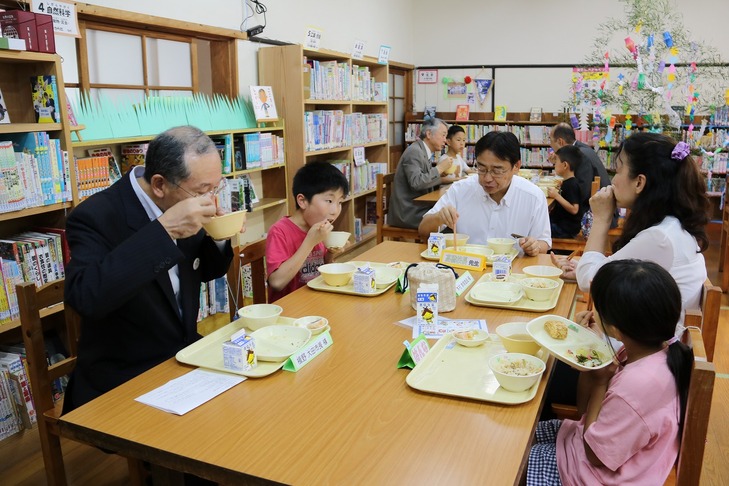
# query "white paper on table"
(189, 391)
(444, 326)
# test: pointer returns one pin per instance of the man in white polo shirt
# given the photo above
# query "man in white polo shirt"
(494, 204)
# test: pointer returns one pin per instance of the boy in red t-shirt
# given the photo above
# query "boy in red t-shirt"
(295, 244)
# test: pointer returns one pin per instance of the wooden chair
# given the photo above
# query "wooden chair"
(724, 249)
(696, 420)
(706, 318)
(384, 190)
(33, 304)
(254, 254)
(578, 242)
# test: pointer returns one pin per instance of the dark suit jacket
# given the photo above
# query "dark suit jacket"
(587, 172)
(414, 177)
(118, 281)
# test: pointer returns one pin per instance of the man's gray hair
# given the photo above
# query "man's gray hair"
(430, 125)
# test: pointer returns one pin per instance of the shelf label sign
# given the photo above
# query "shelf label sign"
(313, 38)
(359, 156)
(384, 54)
(65, 20)
(358, 49)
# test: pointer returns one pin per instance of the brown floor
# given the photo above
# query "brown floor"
(21, 462)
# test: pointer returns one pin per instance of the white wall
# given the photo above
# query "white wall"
(533, 32)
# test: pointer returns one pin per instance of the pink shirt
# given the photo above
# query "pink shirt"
(635, 434)
(283, 240)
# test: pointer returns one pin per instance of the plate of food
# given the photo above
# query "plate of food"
(568, 341)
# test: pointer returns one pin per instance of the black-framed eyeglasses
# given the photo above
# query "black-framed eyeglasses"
(214, 193)
(495, 171)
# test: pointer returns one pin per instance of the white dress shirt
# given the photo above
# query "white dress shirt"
(666, 244)
(522, 210)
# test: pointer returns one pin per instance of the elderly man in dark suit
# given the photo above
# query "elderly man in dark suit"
(138, 256)
(416, 175)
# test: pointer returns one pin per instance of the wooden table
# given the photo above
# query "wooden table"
(347, 417)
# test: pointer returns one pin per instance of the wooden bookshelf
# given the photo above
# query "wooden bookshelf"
(16, 70)
(270, 182)
(283, 68)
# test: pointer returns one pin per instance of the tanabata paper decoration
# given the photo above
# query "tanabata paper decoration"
(668, 39)
(467, 80)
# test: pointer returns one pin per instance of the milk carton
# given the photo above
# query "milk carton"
(502, 268)
(239, 354)
(436, 244)
(426, 307)
(364, 280)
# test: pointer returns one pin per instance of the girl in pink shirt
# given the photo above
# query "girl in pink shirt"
(632, 412)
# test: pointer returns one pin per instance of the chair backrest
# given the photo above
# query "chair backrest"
(384, 189)
(254, 254)
(35, 303)
(696, 420)
(706, 317)
(595, 186)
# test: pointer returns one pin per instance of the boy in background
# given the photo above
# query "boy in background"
(295, 244)
(456, 142)
(566, 216)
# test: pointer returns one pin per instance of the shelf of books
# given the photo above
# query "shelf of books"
(37, 180)
(533, 135)
(336, 110)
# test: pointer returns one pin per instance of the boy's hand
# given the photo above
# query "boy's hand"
(444, 165)
(553, 192)
(319, 232)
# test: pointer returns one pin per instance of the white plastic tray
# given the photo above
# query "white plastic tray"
(578, 338)
(524, 303)
(454, 370)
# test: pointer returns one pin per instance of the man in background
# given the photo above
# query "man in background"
(416, 175)
(138, 257)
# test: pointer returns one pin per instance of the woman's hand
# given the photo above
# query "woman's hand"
(603, 205)
(567, 265)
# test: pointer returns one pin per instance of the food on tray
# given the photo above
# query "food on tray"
(517, 367)
(538, 284)
(465, 334)
(317, 324)
(556, 329)
(588, 357)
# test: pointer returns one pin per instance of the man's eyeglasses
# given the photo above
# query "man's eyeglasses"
(495, 172)
(214, 193)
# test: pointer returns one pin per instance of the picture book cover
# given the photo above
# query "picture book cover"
(4, 116)
(429, 112)
(132, 154)
(535, 114)
(500, 113)
(45, 97)
(462, 112)
(264, 105)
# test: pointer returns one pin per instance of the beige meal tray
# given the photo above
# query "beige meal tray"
(524, 303)
(454, 370)
(208, 351)
(318, 283)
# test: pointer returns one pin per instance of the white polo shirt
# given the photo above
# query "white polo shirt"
(523, 210)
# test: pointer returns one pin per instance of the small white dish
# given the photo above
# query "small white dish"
(497, 292)
(471, 338)
(315, 324)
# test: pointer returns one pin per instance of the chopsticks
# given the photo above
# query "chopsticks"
(455, 237)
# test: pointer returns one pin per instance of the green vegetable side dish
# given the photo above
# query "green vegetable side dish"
(588, 357)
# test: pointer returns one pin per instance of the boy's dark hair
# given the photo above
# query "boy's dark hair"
(317, 177)
(504, 145)
(453, 129)
(571, 155)
(642, 300)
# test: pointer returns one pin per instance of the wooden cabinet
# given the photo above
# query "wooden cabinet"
(344, 93)
(16, 70)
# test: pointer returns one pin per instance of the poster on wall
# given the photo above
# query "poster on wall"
(427, 76)
(482, 88)
(456, 90)
(264, 105)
